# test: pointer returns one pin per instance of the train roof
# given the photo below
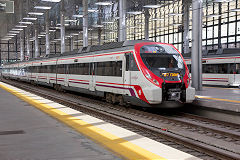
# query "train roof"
(91, 50)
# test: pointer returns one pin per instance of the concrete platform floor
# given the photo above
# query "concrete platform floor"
(219, 98)
(29, 134)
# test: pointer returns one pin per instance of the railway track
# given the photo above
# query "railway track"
(199, 136)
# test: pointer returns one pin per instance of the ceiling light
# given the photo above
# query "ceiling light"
(25, 22)
(134, 12)
(41, 35)
(222, 1)
(93, 10)
(157, 19)
(77, 16)
(5, 39)
(152, 6)
(106, 3)
(17, 29)
(36, 13)
(21, 26)
(51, 1)
(70, 20)
(14, 31)
(42, 7)
(108, 22)
(11, 34)
(30, 18)
(235, 10)
(74, 34)
(97, 26)
(52, 30)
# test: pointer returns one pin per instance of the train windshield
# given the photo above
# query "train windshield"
(161, 57)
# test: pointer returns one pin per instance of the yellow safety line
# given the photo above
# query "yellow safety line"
(218, 99)
(223, 88)
(123, 148)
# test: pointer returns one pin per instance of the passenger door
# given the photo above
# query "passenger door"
(127, 75)
(92, 80)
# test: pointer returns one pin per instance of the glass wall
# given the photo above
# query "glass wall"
(221, 24)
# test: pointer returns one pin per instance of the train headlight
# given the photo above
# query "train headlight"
(155, 81)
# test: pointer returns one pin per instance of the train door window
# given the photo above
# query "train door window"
(131, 63)
(118, 70)
(238, 68)
(232, 68)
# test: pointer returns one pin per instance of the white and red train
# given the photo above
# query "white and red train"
(142, 73)
(222, 69)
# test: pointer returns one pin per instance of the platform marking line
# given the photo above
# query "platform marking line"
(118, 145)
(217, 99)
(224, 88)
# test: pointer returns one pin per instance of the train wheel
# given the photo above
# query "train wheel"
(114, 98)
(108, 97)
(120, 100)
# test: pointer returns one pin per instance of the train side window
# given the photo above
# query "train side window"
(86, 69)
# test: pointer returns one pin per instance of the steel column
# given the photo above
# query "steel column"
(28, 43)
(62, 27)
(71, 43)
(197, 44)
(8, 52)
(122, 21)
(21, 46)
(146, 31)
(36, 42)
(16, 47)
(186, 26)
(85, 23)
(47, 33)
(0, 53)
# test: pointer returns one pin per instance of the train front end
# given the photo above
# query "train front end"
(165, 72)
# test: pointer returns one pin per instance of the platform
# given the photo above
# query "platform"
(44, 134)
(26, 133)
(227, 99)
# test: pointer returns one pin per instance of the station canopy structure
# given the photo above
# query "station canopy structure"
(167, 21)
